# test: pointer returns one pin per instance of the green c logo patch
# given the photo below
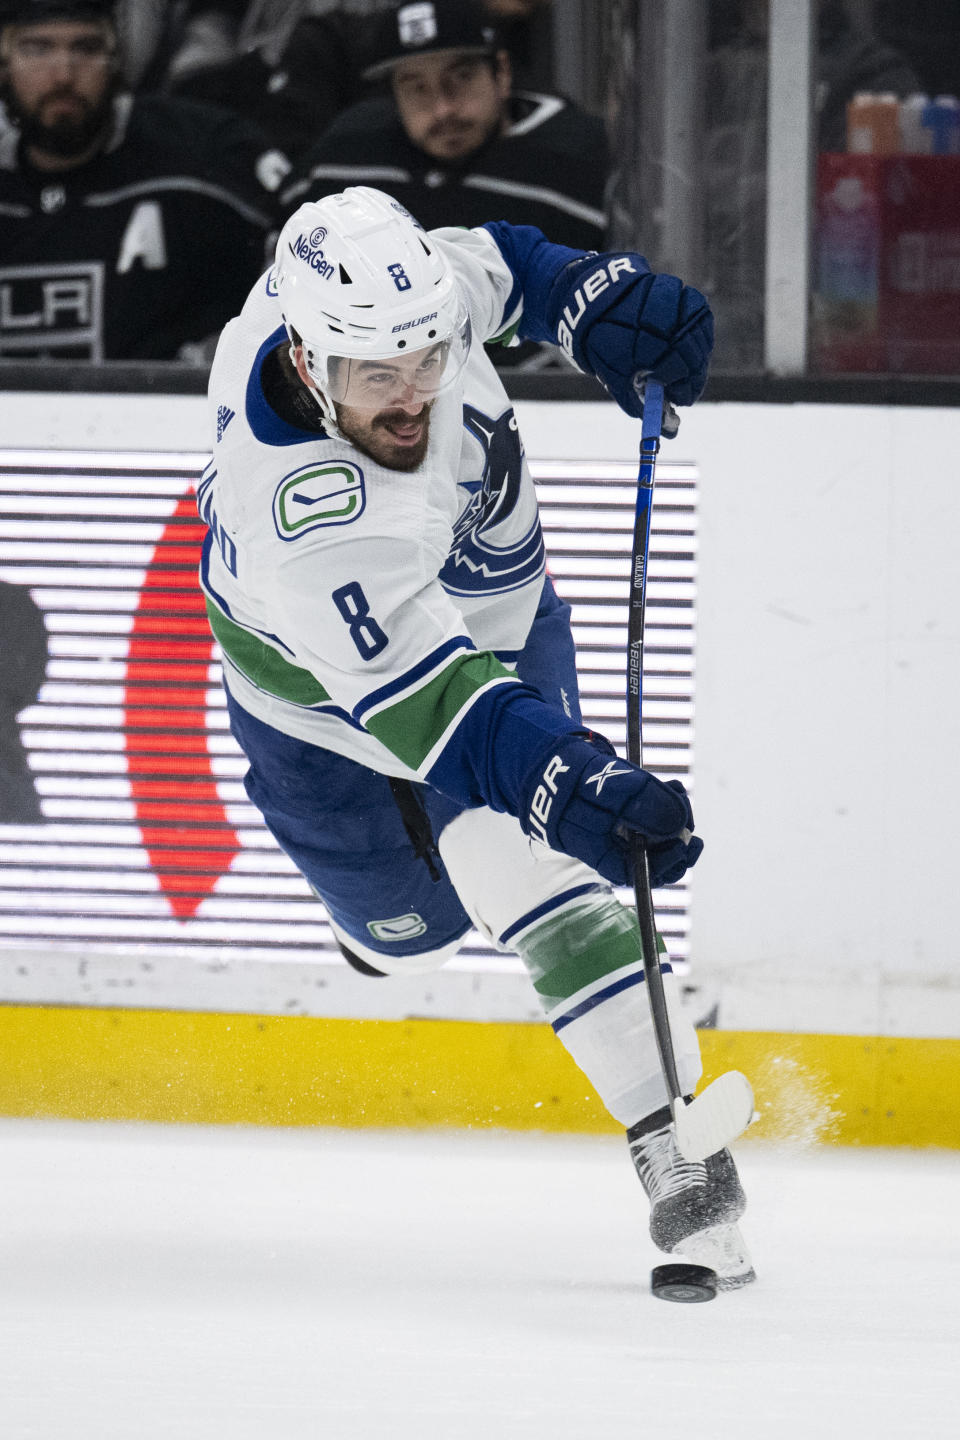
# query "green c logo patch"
(401, 927)
(318, 495)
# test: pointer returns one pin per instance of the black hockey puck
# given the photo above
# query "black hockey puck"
(688, 1284)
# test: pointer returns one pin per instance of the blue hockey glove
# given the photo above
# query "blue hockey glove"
(617, 321)
(583, 799)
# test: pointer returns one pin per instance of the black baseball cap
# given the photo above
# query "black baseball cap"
(426, 26)
(36, 12)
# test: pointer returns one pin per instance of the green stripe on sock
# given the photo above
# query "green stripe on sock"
(605, 955)
(593, 938)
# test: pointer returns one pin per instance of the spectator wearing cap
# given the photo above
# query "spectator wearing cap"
(454, 142)
(292, 67)
(132, 227)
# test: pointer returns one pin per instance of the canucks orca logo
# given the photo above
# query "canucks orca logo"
(479, 560)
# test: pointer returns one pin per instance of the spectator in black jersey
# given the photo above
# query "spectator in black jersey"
(455, 143)
(132, 226)
(293, 67)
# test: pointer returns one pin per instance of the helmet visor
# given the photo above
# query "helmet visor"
(409, 377)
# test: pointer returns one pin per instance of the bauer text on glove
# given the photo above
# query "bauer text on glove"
(584, 800)
(618, 321)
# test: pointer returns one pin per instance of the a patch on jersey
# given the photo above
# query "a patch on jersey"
(144, 241)
(54, 308)
(401, 927)
(318, 495)
(224, 416)
(479, 560)
(272, 167)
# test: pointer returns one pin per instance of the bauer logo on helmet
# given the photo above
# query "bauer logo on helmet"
(412, 324)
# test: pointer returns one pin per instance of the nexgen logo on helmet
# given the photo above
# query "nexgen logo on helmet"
(304, 249)
(385, 292)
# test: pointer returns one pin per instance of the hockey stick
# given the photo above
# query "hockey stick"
(725, 1107)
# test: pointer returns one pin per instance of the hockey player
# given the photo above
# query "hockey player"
(132, 226)
(399, 670)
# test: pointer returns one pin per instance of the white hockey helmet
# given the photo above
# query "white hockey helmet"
(359, 281)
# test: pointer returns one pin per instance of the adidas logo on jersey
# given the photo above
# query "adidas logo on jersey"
(224, 416)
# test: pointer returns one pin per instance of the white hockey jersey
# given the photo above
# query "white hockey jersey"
(359, 608)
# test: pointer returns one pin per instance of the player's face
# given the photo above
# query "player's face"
(385, 409)
(383, 406)
(451, 103)
(58, 76)
(396, 438)
(398, 380)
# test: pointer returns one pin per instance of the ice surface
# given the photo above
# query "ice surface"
(239, 1284)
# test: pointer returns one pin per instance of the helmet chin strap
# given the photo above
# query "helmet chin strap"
(324, 402)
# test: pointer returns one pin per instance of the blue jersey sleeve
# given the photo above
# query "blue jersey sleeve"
(610, 314)
(534, 262)
(497, 746)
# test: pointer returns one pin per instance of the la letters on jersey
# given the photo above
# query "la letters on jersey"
(122, 258)
(318, 495)
(58, 308)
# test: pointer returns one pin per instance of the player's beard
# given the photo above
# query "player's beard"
(67, 136)
(373, 436)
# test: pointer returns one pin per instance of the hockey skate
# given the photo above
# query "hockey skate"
(694, 1205)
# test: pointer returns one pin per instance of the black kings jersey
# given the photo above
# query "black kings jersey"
(150, 246)
(548, 169)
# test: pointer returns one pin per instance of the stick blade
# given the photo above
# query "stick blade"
(718, 1115)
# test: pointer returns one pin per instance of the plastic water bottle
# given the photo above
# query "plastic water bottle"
(942, 118)
(873, 124)
(848, 259)
(915, 137)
